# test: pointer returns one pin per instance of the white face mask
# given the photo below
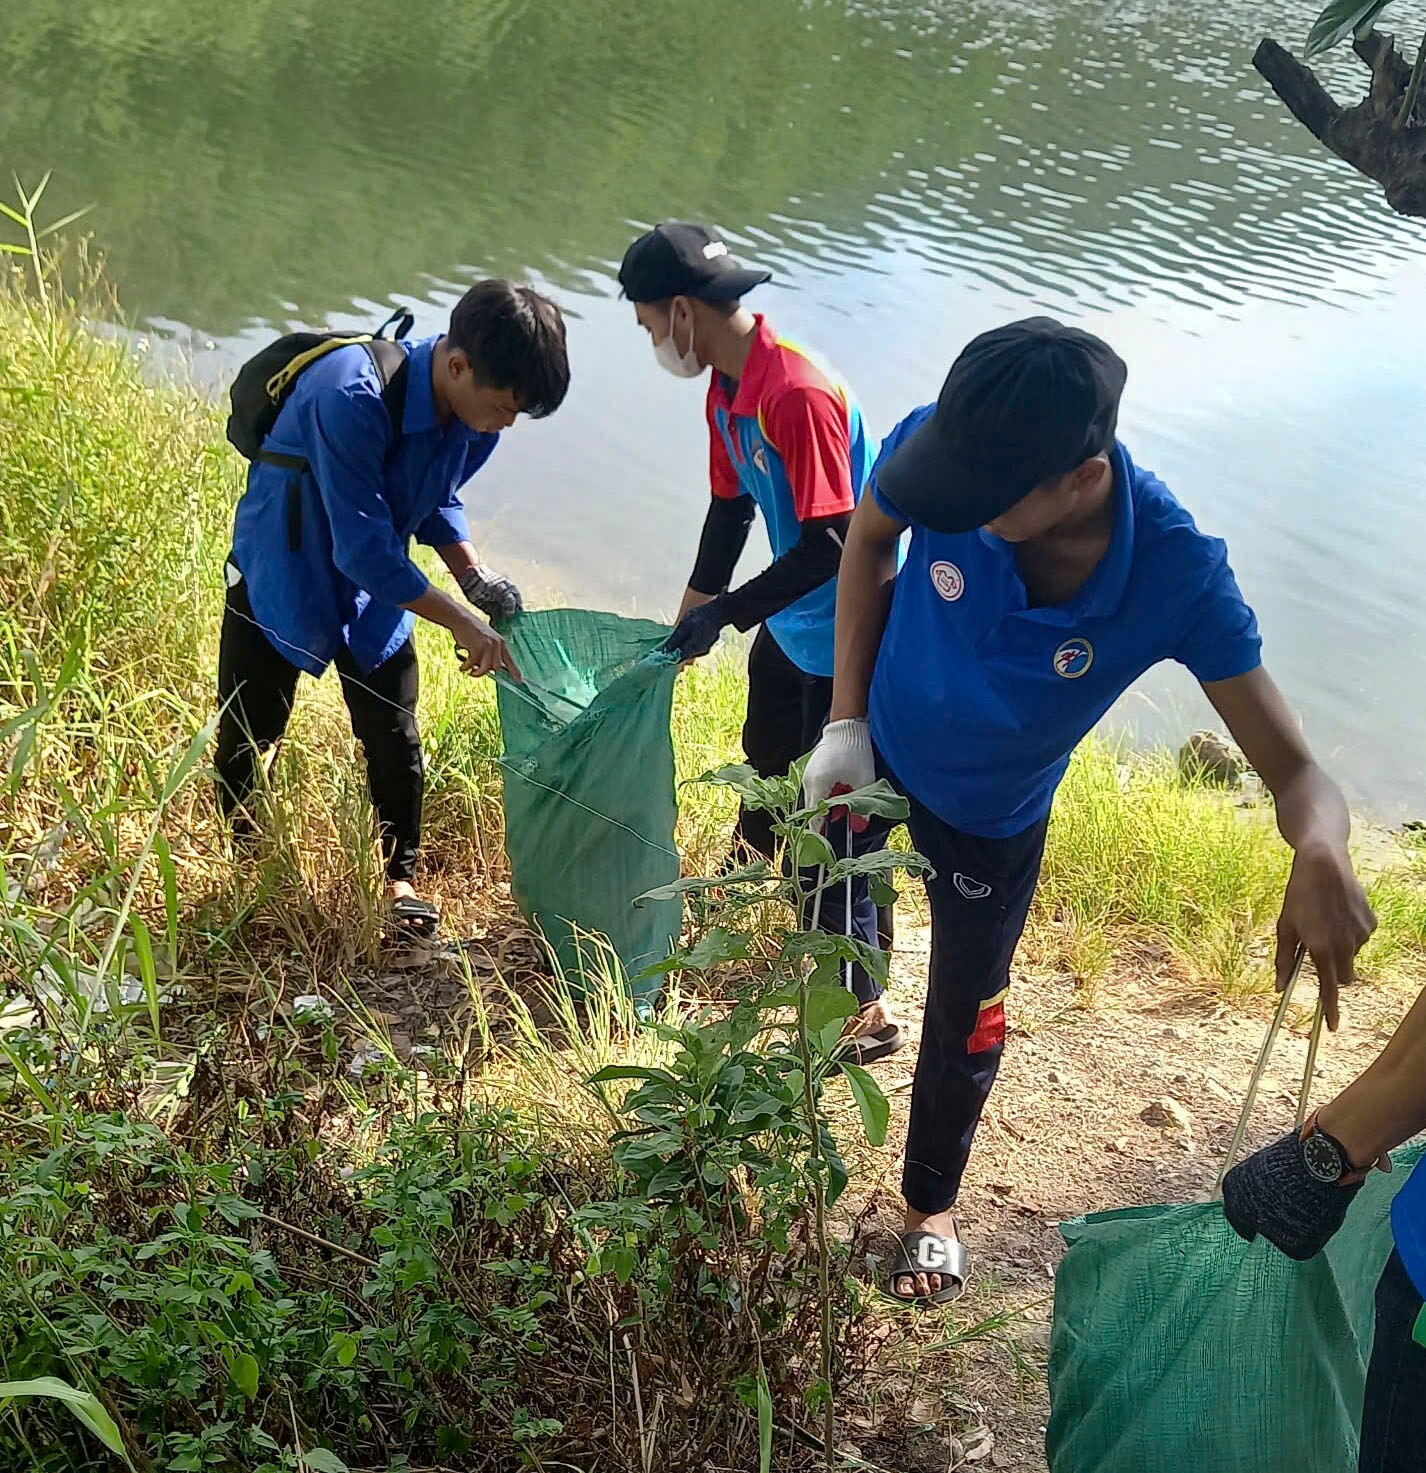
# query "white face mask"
(680, 365)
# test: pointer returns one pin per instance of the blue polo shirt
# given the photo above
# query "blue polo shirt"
(362, 501)
(978, 699)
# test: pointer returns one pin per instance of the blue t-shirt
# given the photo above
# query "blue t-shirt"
(1408, 1225)
(365, 495)
(978, 699)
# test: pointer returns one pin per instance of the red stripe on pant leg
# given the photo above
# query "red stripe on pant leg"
(989, 1029)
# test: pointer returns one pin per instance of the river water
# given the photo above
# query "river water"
(913, 173)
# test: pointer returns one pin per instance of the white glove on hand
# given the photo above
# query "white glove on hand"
(492, 593)
(842, 761)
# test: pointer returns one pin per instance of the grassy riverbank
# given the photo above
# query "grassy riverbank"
(259, 1259)
(116, 503)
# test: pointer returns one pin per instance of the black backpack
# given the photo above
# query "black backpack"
(266, 380)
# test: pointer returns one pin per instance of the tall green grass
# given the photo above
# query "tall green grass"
(116, 498)
(1138, 853)
(1135, 850)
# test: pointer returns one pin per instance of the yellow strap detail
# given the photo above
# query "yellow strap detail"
(834, 379)
(990, 1002)
(289, 371)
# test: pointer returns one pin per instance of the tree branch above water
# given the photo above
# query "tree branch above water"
(1374, 137)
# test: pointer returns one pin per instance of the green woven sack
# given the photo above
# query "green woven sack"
(589, 786)
(1177, 1346)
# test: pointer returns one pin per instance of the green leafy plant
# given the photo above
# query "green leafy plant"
(87, 1408)
(732, 1133)
(1339, 20)
(298, 1271)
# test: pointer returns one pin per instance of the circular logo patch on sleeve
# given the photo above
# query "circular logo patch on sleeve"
(1073, 658)
(948, 581)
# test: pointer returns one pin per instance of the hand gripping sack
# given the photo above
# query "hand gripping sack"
(589, 785)
(1177, 1346)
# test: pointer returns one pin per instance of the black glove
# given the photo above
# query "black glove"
(1273, 1193)
(492, 593)
(697, 632)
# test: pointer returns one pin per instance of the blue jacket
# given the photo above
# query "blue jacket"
(362, 500)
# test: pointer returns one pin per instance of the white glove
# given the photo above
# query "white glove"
(842, 761)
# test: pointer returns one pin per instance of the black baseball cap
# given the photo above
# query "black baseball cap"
(1021, 404)
(677, 259)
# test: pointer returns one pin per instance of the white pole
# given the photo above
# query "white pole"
(847, 974)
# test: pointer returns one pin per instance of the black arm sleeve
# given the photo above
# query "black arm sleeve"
(806, 565)
(725, 535)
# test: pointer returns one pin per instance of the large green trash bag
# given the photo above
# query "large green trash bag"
(1179, 1348)
(589, 786)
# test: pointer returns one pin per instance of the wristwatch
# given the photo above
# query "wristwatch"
(1325, 1156)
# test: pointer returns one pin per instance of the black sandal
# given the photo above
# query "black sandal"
(869, 1048)
(928, 1253)
(415, 919)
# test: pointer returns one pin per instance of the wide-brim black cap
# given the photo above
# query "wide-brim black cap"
(1023, 403)
(679, 259)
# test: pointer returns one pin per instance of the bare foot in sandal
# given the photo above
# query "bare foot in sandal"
(413, 916)
(932, 1247)
(873, 1018)
(872, 1034)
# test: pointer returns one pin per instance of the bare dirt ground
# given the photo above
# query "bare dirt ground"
(1065, 1133)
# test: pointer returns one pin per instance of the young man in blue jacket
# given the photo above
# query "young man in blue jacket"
(320, 570)
(1045, 573)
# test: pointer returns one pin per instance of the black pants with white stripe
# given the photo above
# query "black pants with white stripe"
(256, 687)
(980, 898)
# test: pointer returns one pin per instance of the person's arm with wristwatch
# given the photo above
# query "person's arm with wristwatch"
(1296, 1191)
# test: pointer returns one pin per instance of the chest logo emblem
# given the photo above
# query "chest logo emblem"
(948, 581)
(1073, 658)
(760, 459)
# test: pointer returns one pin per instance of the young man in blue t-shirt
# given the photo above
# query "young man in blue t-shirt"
(1296, 1193)
(1045, 573)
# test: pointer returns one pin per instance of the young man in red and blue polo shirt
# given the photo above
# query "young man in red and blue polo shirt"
(787, 440)
(1045, 573)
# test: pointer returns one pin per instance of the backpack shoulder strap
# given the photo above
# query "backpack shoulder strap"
(401, 321)
(392, 367)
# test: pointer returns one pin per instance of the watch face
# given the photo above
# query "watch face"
(1323, 1157)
